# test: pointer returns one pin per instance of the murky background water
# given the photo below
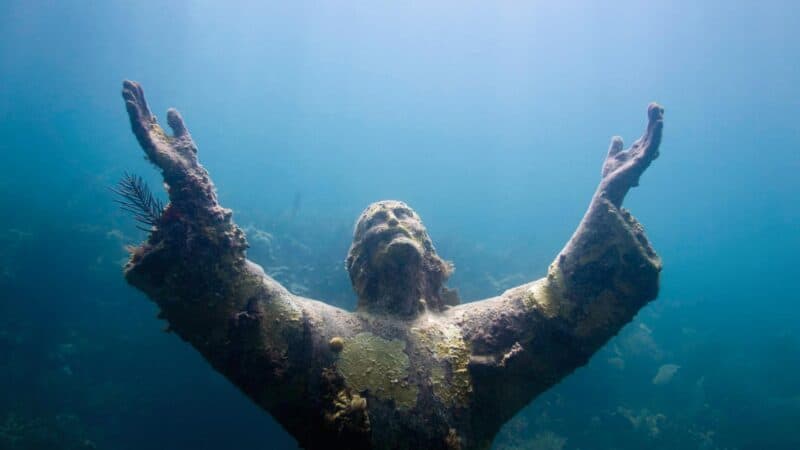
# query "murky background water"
(490, 119)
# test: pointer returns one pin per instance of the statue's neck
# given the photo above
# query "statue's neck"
(385, 298)
(402, 290)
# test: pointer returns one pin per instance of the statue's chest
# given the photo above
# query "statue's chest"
(425, 363)
(399, 382)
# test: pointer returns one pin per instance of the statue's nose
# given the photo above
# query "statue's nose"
(392, 222)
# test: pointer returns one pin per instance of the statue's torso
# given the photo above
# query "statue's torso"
(400, 384)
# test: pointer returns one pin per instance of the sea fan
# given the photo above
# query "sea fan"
(135, 197)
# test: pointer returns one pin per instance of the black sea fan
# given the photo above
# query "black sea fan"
(135, 197)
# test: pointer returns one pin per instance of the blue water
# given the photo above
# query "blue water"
(491, 119)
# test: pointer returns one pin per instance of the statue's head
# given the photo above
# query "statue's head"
(392, 263)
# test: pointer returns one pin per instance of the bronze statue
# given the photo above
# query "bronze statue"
(410, 368)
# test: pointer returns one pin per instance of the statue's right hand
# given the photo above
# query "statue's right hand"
(622, 168)
(174, 155)
(191, 191)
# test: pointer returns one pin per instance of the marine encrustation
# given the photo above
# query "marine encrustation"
(410, 368)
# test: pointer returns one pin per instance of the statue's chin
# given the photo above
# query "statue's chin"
(401, 250)
(403, 245)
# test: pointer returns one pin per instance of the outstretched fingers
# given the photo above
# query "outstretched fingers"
(616, 146)
(138, 112)
(655, 113)
(645, 149)
(181, 140)
(132, 92)
(170, 153)
(622, 168)
(613, 149)
(175, 122)
(134, 96)
(655, 126)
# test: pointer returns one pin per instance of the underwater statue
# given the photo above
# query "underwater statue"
(410, 368)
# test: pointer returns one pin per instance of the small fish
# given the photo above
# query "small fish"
(665, 373)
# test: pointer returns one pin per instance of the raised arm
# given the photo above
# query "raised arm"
(531, 336)
(193, 263)
(608, 271)
(249, 327)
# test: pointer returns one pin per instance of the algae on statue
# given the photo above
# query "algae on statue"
(410, 368)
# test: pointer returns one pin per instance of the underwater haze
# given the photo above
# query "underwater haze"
(490, 119)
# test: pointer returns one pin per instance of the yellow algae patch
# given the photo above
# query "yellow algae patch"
(370, 363)
(454, 350)
(450, 351)
(538, 296)
(544, 294)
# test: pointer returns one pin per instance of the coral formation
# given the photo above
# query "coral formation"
(63, 432)
(336, 344)
(135, 197)
(345, 411)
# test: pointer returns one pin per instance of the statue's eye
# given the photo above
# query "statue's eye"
(401, 213)
(378, 217)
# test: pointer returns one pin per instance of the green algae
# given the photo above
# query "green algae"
(379, 366)
(449, 374)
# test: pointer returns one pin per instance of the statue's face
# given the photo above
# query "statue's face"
(392, 233)
(392, 259)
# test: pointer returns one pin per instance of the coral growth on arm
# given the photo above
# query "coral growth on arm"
(531, 336)
(191, 191)
(194, 243)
